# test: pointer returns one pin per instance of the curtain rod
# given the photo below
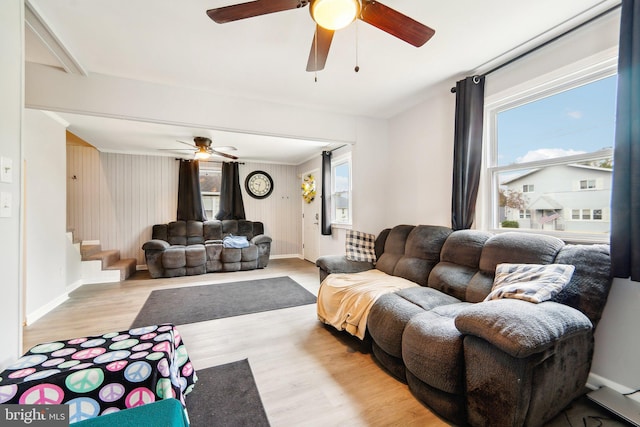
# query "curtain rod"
(540, 46)
(206, 161)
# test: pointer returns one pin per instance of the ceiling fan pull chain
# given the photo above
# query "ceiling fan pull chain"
(357, 68)
(315, 54)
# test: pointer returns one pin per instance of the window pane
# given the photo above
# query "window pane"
(552, 196)
(342, 192)
(210, 181)
(576, 121)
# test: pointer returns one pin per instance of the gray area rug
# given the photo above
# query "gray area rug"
(207, 302)
(226, 396)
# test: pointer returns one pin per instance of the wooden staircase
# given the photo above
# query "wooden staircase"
(104, 266)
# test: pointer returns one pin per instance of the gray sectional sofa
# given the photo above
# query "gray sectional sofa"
(503, 362)
(182, 248)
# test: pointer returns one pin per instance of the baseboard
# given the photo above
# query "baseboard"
(75, 285)
(32, 317)
(285, 256)
(595, 381)
(91, 242)
(142, 267)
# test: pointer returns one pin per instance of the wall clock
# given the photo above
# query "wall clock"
(258, 184)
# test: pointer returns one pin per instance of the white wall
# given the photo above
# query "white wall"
(44, 142)
(11, 88)
(420, 166)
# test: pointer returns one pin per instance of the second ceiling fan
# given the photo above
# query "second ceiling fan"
(331, 15)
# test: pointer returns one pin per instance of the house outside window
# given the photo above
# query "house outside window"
(341, 192)
(210, 179)
(545, 148)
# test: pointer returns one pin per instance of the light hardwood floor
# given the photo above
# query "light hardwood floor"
(307, 374)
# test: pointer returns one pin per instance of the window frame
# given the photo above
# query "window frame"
(590, 70)
(335, 163)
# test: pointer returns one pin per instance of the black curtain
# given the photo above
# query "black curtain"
(189, 196)
(325, 222)
(625, 198)
(467, 151)
(231, 204)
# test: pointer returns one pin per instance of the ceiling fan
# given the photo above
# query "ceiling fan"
(203, 149)
(331, 15)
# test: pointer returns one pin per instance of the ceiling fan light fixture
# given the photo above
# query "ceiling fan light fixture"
(334, 14)
(202, 154)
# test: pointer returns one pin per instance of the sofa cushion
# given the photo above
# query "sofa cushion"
(174, 257)
(391, 313)
(459, 262)
(245, 228)
(194, 233)
(432, 348)
(512, 248)
(422, 252)
(393, 248)
(360, 246)
(530, 282)
(212, 230)
(177, 233)
(591, 281)
(195, 255)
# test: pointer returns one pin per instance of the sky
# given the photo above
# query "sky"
(580, 120)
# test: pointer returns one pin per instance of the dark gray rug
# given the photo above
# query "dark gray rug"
(207, 302)
(226, 396)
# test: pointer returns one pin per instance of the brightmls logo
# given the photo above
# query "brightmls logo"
(34, 415)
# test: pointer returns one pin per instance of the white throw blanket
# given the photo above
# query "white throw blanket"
(344, 300)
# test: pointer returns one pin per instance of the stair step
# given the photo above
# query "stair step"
(107, 257)
(127, 267)
(87, 251)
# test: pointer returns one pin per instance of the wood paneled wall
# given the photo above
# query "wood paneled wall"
(116, 199)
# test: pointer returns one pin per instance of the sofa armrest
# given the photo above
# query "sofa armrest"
(155, 245)
(520, 328)
(261, 238)
(340, 264)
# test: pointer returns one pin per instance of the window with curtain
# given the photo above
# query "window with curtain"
(210, 179)
(549, 156)
(341, 190)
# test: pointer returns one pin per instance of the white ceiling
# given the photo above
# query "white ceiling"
(264, 58)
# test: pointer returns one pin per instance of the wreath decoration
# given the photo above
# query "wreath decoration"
(309, 188)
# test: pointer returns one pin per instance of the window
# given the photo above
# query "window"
(587, 184)
(341, 194)
(210, 179)
(557, 140)
(525, 214)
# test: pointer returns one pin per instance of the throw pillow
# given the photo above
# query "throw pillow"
(530, 282)
(360, 246)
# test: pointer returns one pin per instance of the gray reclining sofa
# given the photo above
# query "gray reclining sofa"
(504, 362)
(182, 248)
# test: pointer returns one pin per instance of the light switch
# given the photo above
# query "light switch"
(6, 169)
(5, 204)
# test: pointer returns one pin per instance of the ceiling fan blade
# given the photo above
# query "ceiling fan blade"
(220, 153)
(395, 23)
(250, 9)
(186, 143)
(319, 49)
